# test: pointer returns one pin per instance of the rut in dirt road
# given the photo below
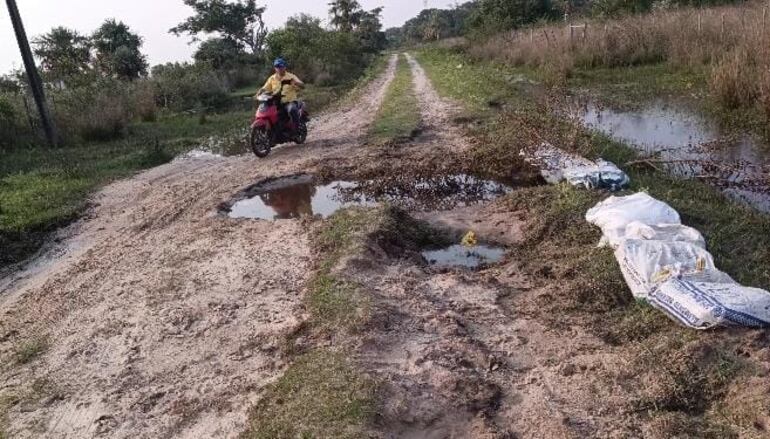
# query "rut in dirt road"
(163, 318)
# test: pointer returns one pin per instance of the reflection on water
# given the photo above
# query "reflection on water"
(692, 146)
(294, 197)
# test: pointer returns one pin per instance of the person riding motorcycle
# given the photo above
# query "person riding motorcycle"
(291, 86)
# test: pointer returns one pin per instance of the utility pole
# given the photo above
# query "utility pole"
(32, 74)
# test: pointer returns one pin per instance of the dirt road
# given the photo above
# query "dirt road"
(157, 317)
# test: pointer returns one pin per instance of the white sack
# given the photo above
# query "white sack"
(703, 303)
(663, 232)
(647, 264)
(615, 213)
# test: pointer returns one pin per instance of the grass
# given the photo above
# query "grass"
(321, 395)
(28, 350)
(42, 189)
(399, 115)
(631, 86)
(475, 84)
(335, 302)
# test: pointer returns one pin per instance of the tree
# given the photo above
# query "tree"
(220, 53)
(118, 51)
(492, 16)
(240, 22)
(316, 54)
(370, 32)
(345, 14)
(63, 53)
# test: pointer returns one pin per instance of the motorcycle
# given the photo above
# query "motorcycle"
(273, 126)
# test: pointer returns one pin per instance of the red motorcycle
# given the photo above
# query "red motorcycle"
(273, 125)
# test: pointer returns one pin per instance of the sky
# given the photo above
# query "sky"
(153, 18)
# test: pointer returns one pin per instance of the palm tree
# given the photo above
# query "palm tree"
(346, 14)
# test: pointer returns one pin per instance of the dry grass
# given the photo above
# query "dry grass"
(733, 41)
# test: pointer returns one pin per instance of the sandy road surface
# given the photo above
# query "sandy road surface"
(161, 318)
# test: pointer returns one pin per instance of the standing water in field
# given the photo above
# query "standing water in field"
(688, 146)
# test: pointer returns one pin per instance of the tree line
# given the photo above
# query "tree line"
(99, 82)
(483, 18)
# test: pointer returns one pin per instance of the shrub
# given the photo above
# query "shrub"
(186, 86)
(98, 111)
(13, 129)
(142, 96)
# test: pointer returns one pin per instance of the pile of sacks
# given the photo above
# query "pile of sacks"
(667, 264)
(556, 165)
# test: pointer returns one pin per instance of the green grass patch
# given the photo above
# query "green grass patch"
(333, 301)
(399, 115)
(629, 87)
(321, 395)
(29, 350)
(476, 84)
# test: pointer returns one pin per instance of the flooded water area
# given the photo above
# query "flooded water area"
(460, 256)
(688, 145)
(301, 195)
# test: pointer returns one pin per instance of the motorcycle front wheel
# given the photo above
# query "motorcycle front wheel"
(260, 142)
(301, 136)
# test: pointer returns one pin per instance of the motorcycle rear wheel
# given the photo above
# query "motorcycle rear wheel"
(260, 142)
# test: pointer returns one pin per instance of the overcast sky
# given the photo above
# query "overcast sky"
(153, 18)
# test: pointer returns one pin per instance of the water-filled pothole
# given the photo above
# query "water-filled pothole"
(301, 195)
(437, 192)
(460, 256)
(293, 197)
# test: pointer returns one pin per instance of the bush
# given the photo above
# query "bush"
(14, 131)
(98, 111)
(181, 87)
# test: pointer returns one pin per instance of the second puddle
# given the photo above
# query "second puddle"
(464, 257)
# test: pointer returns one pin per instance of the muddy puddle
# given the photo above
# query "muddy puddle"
(460, 256)
(294, 197)
(690, 146)
(300, 195)
(429, 193)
